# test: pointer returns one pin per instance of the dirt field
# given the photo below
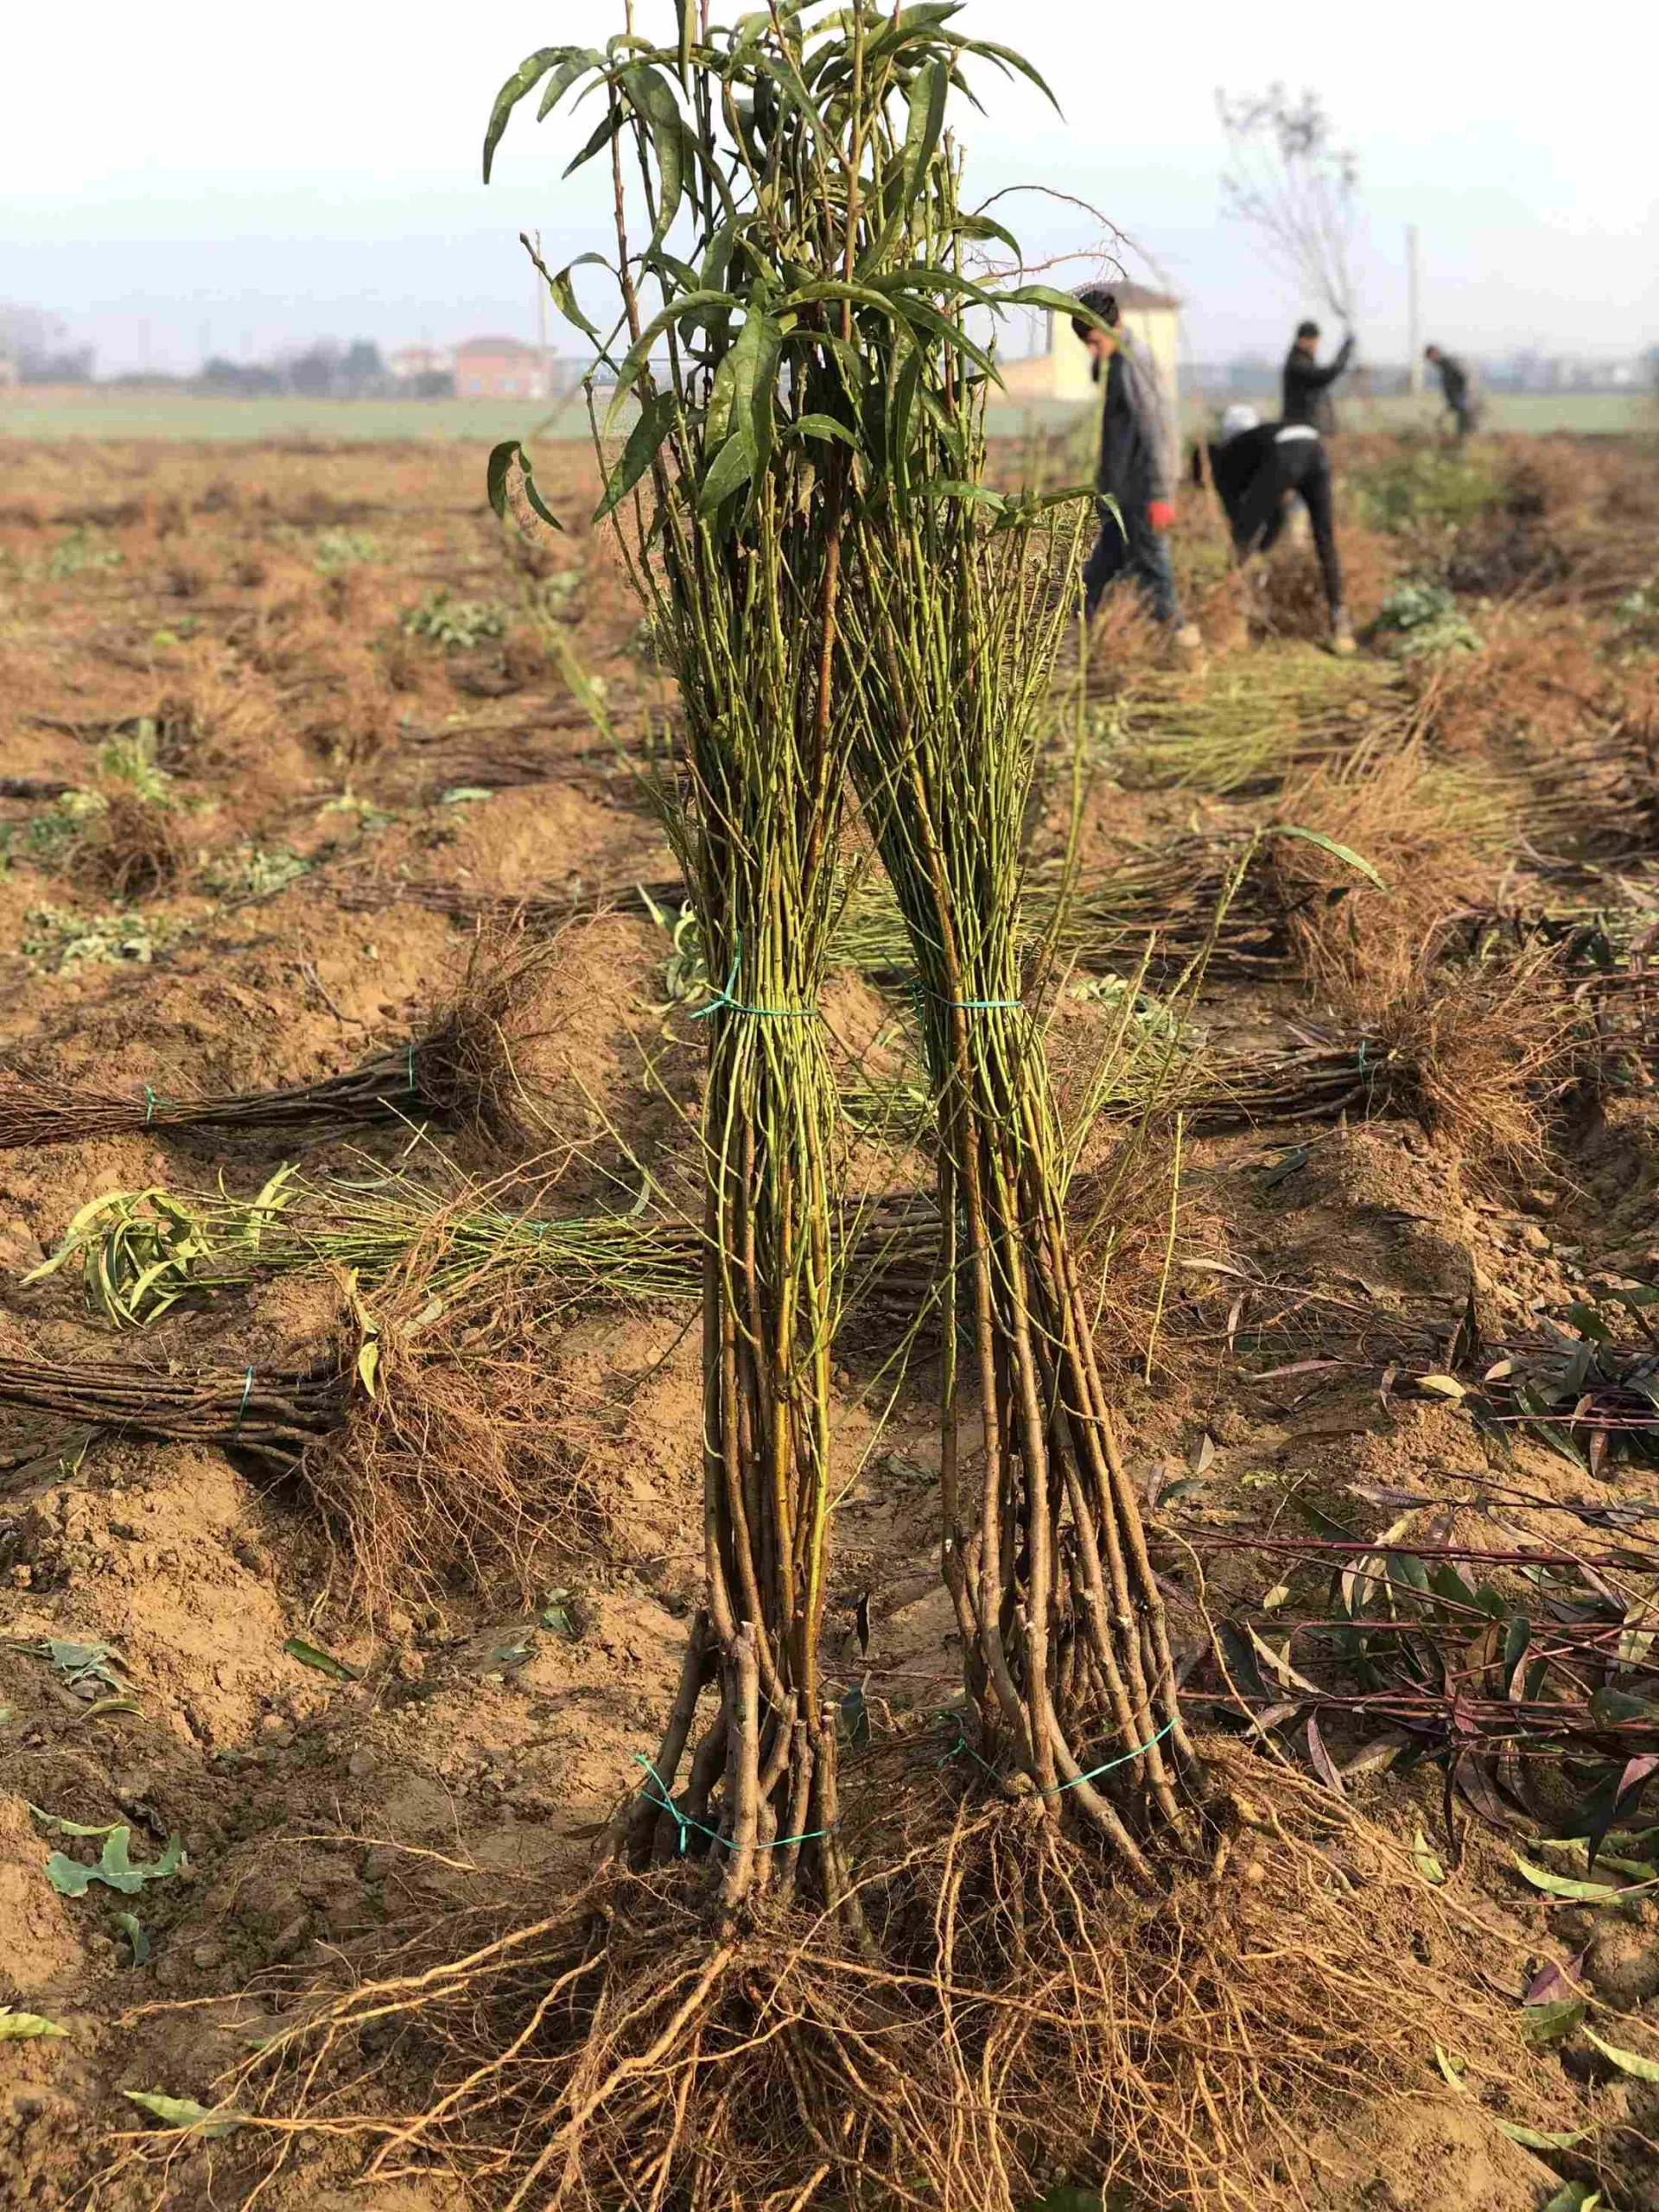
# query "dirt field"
(281, 725)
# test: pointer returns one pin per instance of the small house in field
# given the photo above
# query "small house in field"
(502, 368)
(1064, 370)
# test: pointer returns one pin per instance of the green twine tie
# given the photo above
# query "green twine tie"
(412, 1066)
(685, 1823)
(963, 1744)
(724, 998)
(149, 1105)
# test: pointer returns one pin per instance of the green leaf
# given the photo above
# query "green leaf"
(529, 73)
(822, 426)
(57, 1827)
(499, 472)
(644, 441)
(563, 291)
(1542, 2024)
(26, 2027)
(1345, 854)
(1562, 1885)
(653, 97)
(368, 1364)
(115, 1869)
(1611, 1706)
(185, 2111)
(733, 467)
(929, 89)
(1425, 1861)
(604, 132)
(1574, 2196)
(127, 1923)
(1628, 2061)
(313, 1655)
(581, 59)
(1538, 2139)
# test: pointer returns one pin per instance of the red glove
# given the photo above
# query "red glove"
(1160, 513)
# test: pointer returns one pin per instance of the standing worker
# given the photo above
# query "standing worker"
(1135, 472)
(1306, 385)
(1255, 468)
(1459, 387)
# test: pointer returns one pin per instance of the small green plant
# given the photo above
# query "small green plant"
(74, 555)
(1418, 618)
(343, 549)
(131, 759)
(454, 624)
(1422, 488)
(252, 871)
(59, 942)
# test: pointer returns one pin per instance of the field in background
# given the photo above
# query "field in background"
(92, 412)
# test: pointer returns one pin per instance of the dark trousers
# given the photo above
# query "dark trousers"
(1298, 465)
(1133, 549)
(1463, 418)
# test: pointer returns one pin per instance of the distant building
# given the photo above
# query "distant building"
(409, 363)
(1063, 369)
(503, 368)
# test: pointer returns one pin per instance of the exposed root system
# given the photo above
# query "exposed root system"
(1018, 2019)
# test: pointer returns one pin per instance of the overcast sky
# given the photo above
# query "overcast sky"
(199, 176)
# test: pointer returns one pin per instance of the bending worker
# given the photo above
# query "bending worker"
(1306, 385)
(1134, 471)
(1256, 467)
(1456, 384)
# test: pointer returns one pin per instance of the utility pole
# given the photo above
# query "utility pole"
(1413, 312)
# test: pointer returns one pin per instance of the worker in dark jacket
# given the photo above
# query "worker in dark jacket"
(1459, 387)
(1256, 468)
(1133, 472)
(1306, 385)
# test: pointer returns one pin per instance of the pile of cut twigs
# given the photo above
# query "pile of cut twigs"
(271, 1414)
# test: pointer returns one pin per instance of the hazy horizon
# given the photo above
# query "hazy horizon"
(239, 188)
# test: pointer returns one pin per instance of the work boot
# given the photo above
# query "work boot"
(1342, 632)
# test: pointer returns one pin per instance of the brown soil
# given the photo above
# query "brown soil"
(245, 615)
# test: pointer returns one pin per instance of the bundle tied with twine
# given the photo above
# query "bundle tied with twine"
(1061, 1617)
(473, 1064)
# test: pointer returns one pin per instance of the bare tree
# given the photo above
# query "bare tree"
(1297, 189)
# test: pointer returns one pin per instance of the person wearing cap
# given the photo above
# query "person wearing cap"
(1458, 385)
(1256, 467)
(1307, 384)
(1133, 472)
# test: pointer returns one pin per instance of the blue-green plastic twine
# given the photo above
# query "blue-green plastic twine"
(149, 1105)
(686, 1825)
(963, 1744)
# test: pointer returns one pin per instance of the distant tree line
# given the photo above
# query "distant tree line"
(36, 346)
(326, 370)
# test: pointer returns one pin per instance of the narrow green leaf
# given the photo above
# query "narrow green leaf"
(529, 73)
(930, 88)
(57, 1827)
(26, 2027)
(615, 116)
(313, 1655)
(822, 426)
(1562, 1885)
(1628, 2061)
(1538, 2139)
(732, 468)
(127, 1923)
(1425, 1861)
(656, 420)
(1342, 853)
(580, 60)
(185, 2111)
